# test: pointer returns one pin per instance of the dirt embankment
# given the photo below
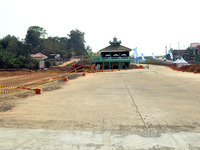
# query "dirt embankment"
(10, 79)
(22, 78)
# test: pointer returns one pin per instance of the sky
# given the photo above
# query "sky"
(149, 25)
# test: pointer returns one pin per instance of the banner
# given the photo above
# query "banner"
(143, 57)
(170, 52)
(153, 56)
(41, 64)
(135, 54)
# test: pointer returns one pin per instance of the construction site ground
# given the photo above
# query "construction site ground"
(155, 108)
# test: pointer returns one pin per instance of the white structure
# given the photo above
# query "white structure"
(180, 62)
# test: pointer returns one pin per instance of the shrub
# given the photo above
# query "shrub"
(48, 63)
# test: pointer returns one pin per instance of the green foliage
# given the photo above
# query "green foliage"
(189, 50)
(15, 53)
(11, 60)
(6, 59)
(5, 41)
(20, 62)
(34, 37)
(34, 64)
(12, 44)
(89, 51)
(54, 45)
(63, 53)
(150, 61)
(77, 41)
(48, 63)
(39, 30)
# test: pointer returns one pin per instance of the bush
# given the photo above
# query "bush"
(150, 61)
(20, 62)
(34, 64)
(48, 63)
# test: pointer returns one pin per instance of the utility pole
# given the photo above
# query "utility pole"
(166, 50)
(179, 45)
(169, 46)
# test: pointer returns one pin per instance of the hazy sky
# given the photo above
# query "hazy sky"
(149, 25)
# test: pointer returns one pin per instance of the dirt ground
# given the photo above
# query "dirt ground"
(8, 100)
(68, 62)
(157, 107)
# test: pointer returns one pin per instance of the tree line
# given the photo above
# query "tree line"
(15, 53)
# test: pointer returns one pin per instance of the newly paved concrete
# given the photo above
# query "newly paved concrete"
(92, 140)
(154, 108)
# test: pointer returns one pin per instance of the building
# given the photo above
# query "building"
(196, 51)
(114, 56)
(178, 53)
(95, 54)
(195, 48)
(39, 56)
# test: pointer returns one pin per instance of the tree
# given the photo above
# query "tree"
(13, 44)
(20, 62)
(34, 37)
(54, 45)
(89, 51)
(5, 41)
(39, 30)
(63, 53)
(15, 53)
(48, 63)
(70, 52)
(77, 41)
(6, 58)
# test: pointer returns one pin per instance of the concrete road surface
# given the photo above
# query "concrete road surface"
(155, 108)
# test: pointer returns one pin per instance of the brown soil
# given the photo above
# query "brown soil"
(190, 68)
(30, 79)
(68, 62)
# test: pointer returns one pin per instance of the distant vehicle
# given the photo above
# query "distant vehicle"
(54, 57)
